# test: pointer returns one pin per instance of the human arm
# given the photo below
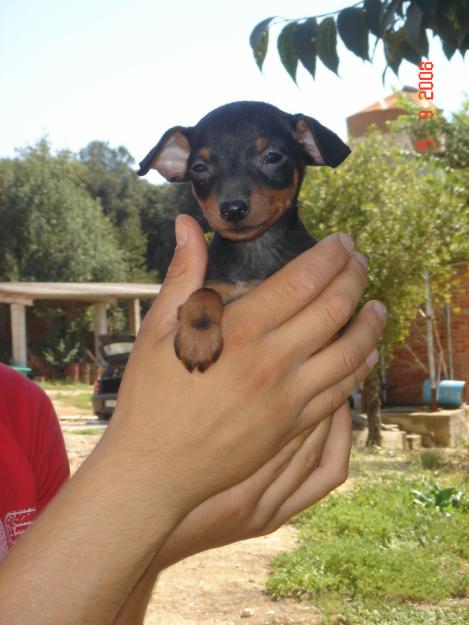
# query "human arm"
(177, 439)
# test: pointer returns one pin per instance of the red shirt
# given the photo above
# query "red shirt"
(33, 459)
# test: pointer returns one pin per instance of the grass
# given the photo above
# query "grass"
(85, 431)
(64, 385)
(74, 395)
(371, 556)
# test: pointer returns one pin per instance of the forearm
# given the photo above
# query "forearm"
(86, 552)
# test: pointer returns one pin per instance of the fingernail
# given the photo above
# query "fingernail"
(361, 259)
(372, 358)
(380, 310)
(347, 242)
(180, 231)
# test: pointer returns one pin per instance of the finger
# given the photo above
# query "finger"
(316, 324)
(257, 484)
(305, 460)
(332, 398)
(344, 356)
(331, 472)
(184, 276)
(286, 292)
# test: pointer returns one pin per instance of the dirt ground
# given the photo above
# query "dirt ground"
(221, 587)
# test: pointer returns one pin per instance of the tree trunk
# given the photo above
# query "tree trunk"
(373, 405)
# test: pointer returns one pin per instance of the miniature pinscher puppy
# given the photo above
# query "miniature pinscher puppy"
(246, 162)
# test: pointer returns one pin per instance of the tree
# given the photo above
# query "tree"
(55, 230)
(162, 203)
(401, 25)
(405, 216)
(109, 178)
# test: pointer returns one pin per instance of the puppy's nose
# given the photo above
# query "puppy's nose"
(234, 210)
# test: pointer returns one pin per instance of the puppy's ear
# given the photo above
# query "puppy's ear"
(169, 156)
(320, 145)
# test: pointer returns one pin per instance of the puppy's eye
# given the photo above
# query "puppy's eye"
(199, 168)
(272, 157)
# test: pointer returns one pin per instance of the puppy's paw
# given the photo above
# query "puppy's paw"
(196, 348)
(198, 342)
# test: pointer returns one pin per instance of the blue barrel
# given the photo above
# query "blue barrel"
(449, 393)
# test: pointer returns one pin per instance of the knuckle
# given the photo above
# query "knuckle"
(265, 372)
(349, 359)
(305, 281)
(339, 309)
(176, 270)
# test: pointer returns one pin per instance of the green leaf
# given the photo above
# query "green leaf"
(408, 53)
(259, 40)
(387, 17)
(304, 41)
(286, 49)
(413, 25)
(327, 44)
(373, 9)
(429, 8)
(392, 50)
(353, 29)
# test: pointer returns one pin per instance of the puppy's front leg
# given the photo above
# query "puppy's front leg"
(198, 341)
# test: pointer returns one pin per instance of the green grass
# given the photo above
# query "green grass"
(74, 395)
(85, 431)
(372, 556)
(55, 385)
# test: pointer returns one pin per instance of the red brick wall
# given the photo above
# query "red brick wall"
(405, 377)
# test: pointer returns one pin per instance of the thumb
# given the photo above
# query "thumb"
(185, 273)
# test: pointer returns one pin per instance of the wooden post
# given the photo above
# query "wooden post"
(430, 349)
(18, 334)
(100, 326)
(134, 316)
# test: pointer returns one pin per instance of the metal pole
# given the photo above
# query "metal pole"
(449, 341)
(430, 350)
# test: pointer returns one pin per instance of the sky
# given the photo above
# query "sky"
(124, 71)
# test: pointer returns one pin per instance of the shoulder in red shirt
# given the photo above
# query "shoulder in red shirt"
(33, 459)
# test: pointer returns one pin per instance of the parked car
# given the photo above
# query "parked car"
(115, 350)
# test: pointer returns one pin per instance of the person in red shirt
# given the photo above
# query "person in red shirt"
(33, 460)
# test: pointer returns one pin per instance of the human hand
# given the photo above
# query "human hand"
(302, 473)
(273, 381)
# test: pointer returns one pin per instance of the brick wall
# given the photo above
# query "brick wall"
(405, 377)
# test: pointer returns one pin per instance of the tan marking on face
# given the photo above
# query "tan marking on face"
(267, 205)
(210, 210)
(204, 153)
(261, 143)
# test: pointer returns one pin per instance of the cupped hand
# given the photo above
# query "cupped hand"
(274, 380)
(302, 473)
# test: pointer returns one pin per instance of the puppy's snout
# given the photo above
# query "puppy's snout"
(234, 210)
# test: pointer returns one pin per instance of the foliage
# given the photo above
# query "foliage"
(56, 231)
(370, 556)
(402, 27)
(404, 216)
(108, 177)
(64, 338)
(160, 206)
(442, 499)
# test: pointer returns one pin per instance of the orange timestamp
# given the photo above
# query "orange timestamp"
(425, 93)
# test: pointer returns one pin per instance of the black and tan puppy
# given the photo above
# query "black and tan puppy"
(246, 163)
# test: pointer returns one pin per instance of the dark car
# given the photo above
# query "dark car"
(115, 350)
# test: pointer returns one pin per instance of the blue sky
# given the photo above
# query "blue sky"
(124, 71)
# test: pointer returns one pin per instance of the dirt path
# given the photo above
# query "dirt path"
(220, 587)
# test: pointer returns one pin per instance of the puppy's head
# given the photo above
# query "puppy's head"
(246, 162)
